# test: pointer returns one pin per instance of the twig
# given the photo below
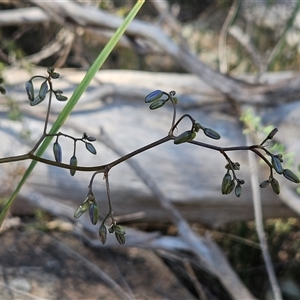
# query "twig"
(193, 278)
(260, 225)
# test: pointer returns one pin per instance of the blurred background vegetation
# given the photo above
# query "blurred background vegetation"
(268, 26)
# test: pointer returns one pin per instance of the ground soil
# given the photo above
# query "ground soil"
(53, 265)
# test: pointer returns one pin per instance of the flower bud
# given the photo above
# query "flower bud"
(265, 184)
(272, 133)
(93, 210)
(119, 229)
(229, 188)
(60, 97)
(54, 75)
(288, 174)
(82, 208)
(155, 95)
(57, 152)
(73, 162)
(29, 90)
(120, 238)
(211, 133)
(275, 186)
(43, 90)
(238, 190)
(157, 104)
(91, 148)
(225, 182)
(184, 137)
(102, 233)
(276, 163)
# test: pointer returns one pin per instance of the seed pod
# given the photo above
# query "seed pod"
(288, 174)
(43, 90)
(29, 90)
(226, 181)
(157, 104)
(272, 133)
(276, 163)
(93, 210)
(185, 137)
(265, 184)
(157, 94)
(238, 190)
(90, 148)
(57, 152)
(275, 186)
(102, 233)
(82, 208)
(73, 162)
(211, 133)
(120, 238)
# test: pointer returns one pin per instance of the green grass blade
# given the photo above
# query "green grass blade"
(73, 101)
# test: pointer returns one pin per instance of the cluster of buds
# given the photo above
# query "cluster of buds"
(276, 164)
(57, 150)
(189, 135)
(90, 204)
(276, 161)
(158, 99)
(230, 182)
(44, 88)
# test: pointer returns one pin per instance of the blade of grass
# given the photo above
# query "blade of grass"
(73, 101)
